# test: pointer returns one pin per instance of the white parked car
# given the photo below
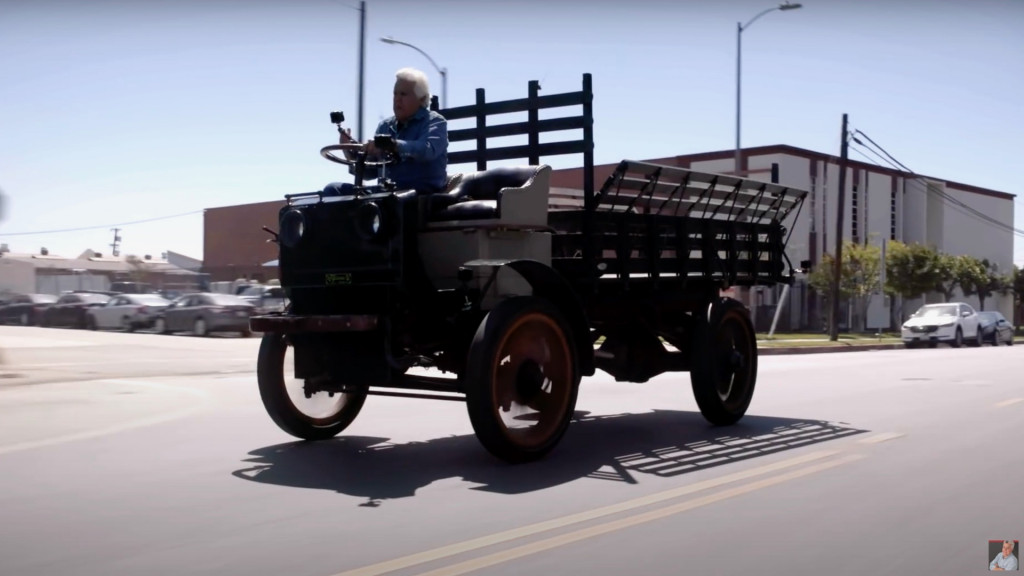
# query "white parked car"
(127, 312)
(953, 323)
(265, 298)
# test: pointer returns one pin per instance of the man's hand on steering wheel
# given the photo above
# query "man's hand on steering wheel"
(355, 153)
(382, 146)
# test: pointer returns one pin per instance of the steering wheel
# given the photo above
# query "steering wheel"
(328, 153)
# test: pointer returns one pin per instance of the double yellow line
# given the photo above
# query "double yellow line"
(814, 461)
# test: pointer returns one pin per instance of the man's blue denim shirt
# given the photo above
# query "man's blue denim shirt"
(422, 149)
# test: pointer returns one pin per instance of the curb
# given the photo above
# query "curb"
(827, 349)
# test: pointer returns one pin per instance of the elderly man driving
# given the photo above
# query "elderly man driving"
(420, 140)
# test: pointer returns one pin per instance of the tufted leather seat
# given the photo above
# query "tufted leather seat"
(478, 195)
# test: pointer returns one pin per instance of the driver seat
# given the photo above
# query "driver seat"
(510, 195)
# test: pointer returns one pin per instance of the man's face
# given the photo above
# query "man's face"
(1007, 549)
(406, 103)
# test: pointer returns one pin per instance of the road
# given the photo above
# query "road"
(145, 454)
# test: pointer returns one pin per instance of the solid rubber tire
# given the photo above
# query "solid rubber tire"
(273, 393)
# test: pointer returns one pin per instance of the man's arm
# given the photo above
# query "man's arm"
(371, 173)
(433, 142)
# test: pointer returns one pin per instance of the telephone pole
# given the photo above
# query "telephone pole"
(833, 331)
(116, 244)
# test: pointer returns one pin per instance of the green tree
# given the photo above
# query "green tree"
(1018, 288)
(950, 270)
(988, 281)
(858, 277)
(911, 270)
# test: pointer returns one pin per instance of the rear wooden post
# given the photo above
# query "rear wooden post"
(481, 127)
(589, 202)
(533, 116)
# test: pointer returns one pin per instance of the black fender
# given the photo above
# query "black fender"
(547, 283)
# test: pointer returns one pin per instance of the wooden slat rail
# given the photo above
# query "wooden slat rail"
(628, 244)
(483, 128)
(653, 188)
(616, 271)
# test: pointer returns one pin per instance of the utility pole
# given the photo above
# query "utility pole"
(838, 263)
(362, 65)
(116, 244)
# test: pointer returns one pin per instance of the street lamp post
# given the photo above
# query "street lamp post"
(739, 35)
(442, 71)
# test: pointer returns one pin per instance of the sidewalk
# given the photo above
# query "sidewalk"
(824, 345)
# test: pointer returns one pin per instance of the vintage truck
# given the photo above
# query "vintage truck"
(504, 293)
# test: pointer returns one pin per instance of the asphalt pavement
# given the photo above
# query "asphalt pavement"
(162, 461)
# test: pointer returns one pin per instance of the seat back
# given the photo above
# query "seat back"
(511, 195)
(487, 184)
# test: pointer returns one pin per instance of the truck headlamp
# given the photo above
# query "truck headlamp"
(370, 220)
(293, 226)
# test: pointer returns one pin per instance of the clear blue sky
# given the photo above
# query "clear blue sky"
(113, 112)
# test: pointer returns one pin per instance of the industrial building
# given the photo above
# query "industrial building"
(45, 273)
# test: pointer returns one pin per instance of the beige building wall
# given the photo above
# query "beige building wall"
(17, 276)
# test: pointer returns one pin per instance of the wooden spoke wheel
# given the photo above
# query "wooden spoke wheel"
(521, 379)
(724, 365)
(319, 416)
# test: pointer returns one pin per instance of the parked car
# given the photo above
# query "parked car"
(26, 309)
(995, 328)
(127, 312)
(170, 295)
(265, 298)
(953, 323)
(70, 309)
(203, 313)
(131, 288)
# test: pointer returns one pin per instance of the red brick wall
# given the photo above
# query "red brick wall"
(235, 244)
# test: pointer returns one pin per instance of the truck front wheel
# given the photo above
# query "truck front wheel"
(321, 416)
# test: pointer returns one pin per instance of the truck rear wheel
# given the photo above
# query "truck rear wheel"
(521, 379)
(724, 362)
(318, 417)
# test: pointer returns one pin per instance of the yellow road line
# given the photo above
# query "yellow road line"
(605, 528)
(1009, 402)
(532, 529)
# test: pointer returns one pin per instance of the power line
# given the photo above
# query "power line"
(877, 155)
(953, 203)
(103, 226)
(884, 151)
(940, 192)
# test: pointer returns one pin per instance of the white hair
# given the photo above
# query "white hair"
(420, 85)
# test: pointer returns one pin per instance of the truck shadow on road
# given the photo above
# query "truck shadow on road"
(619, 448)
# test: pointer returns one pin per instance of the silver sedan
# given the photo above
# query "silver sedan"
(204, 313)
(127, 312)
